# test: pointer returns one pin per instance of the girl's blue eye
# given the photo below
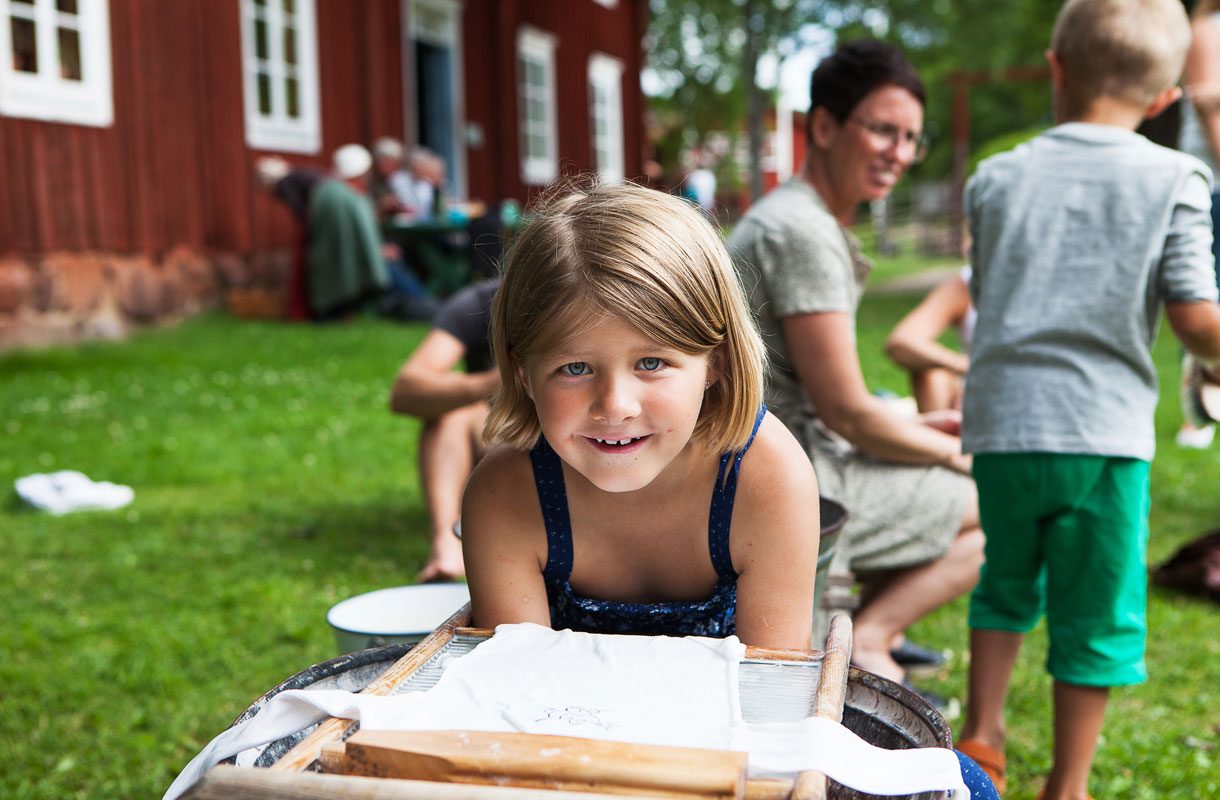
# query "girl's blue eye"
(650, 363)
(575, 368)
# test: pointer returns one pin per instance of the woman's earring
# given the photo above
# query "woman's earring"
(707, 385)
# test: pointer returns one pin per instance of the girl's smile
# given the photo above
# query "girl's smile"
(616, 406)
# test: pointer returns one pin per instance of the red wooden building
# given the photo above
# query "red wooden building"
(129, 128)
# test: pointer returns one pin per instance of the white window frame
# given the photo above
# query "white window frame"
(277, 130)
(606, 73)
(539, 46)
(44, 94)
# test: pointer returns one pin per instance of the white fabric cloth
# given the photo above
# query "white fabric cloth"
(69, 490)
(642, 689)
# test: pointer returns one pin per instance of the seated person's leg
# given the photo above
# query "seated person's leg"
(448, 450)
(936, 389)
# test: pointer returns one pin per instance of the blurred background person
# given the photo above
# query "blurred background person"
(452, 405)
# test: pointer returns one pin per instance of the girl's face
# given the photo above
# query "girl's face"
(616, 406)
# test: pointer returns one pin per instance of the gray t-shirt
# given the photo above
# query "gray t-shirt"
(794, 258)
(1079, 235)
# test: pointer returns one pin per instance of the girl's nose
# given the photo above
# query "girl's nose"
(616, 400)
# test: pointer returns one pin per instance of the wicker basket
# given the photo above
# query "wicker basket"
(255, 302)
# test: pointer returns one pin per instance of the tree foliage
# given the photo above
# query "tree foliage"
(698, 48)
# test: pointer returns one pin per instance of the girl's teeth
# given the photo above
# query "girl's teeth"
(616, 441)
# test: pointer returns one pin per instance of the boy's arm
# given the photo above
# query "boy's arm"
(1197, 326)
(1201, 81)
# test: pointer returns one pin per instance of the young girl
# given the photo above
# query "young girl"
(638, 485)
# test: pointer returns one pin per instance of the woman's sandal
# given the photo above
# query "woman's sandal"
(989, 759)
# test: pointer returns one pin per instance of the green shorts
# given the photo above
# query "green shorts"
(1066, 535)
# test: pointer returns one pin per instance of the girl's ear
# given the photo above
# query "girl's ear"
(716, 362)
(524, 378)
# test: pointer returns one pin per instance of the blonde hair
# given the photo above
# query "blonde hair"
(1130, 50)
(633, 254)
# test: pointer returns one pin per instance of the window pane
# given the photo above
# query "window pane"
(69, 54)
(260, 39)
(66, 6)
(290, 7)
(290, 45)
(264, 94)
(294, 108)
(25, 47)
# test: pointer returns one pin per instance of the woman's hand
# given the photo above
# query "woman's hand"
(945, 420)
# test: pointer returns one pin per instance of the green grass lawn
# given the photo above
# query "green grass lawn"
(271, 482)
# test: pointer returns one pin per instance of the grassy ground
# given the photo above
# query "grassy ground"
(271, 482)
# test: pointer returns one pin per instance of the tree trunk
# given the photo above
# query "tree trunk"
(755, 23)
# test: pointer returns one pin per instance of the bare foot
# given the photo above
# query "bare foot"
(878, 663)
(444, 564)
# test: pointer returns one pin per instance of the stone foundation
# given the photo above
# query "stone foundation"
(65, 297)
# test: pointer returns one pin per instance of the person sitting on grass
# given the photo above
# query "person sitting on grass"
(937, 372)
(1079, 236)
(453, 406)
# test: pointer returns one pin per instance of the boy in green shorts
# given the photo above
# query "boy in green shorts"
(1079, 237)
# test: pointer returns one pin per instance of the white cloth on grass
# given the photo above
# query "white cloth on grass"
(69, 490)
(642, 689)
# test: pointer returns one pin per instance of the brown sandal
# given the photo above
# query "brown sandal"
(989, 759)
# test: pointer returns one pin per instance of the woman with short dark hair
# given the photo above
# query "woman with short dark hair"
(912, 534)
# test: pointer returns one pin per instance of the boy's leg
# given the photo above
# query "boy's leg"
(1096, 606)
(1010, 596)
(993, 654)
(1079, 713)
(449, 447)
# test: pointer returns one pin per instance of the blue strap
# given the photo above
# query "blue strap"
(553, 497)
(721, 516)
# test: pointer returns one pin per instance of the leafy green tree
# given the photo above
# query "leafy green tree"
(705, 54)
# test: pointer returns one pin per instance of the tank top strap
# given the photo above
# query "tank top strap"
(723, 493)
(553, 497)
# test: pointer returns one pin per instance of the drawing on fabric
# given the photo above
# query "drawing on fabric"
(576, 716)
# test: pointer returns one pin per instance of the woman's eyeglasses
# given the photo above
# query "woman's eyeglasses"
(892, 136)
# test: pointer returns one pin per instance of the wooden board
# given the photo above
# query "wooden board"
(546, 762)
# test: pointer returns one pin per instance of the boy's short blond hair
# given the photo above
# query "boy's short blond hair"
(1129, 50)
(637, 255)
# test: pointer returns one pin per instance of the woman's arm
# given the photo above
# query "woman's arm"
(823, 347)
(427, 385)
(913, 343)
(774, 541)
(503, 542)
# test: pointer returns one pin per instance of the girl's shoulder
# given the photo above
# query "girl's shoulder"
(775, 474)
(501, 489)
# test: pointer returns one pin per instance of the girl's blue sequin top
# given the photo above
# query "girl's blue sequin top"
(716, 616)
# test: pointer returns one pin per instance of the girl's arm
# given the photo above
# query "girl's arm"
(503, 542)
(774, 541)
(823, 347)
(913, 343)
